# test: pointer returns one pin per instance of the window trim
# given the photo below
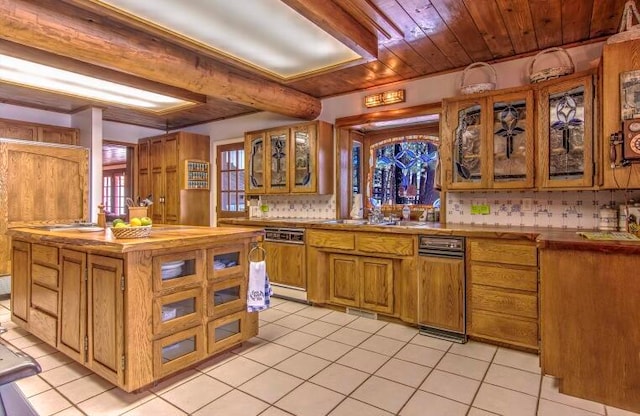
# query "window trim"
(219, 212)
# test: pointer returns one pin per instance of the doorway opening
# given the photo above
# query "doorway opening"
(118, 179)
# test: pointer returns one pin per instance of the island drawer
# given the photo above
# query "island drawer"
(505, 277)
(227, 331)
(43, 275)
(223, 263)
(331, 239)
(503, 252)
(178, 351)
(43, 326)
(226, 297)
(44, 254)
(177, 310)
(44, 299)
(388, 244)
(173, 270)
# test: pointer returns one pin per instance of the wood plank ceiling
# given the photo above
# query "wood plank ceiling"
(416, 38)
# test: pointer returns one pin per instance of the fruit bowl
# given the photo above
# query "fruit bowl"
(131, 232)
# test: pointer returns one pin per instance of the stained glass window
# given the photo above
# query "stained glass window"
(403, 171)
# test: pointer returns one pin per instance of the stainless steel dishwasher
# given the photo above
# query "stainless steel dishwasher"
(441, 287)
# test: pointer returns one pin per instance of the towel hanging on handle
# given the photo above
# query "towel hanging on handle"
(259, 289)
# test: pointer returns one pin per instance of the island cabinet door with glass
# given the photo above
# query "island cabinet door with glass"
(565, 131)
(488, 141)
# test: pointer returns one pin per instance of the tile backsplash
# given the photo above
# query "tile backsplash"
(552, 209)
(300, 206)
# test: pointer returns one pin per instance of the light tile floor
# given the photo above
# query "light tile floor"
(310, 361)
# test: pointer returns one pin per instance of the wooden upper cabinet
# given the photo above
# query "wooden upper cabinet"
(290, 159)
(617, 59)
(161, 172)
(565, 133)
(489, 141)
(12, 129)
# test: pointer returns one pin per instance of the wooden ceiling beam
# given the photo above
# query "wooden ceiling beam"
(338, 23)
(75, 33)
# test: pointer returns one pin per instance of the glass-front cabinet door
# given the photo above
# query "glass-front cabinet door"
(565, 128)
(278, 161)
(467, 125)
(511, 140)
(304, 157)
(255, 153)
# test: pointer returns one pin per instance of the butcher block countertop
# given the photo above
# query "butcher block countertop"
(163, 236)
(546, 238)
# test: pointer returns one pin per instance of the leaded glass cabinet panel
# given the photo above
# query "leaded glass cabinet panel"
(254, 151)
(511, 140)
(304, 147)
(467, 124)
(565, 127)
(278, 161)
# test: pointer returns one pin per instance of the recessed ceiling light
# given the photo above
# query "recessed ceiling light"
(33, 75)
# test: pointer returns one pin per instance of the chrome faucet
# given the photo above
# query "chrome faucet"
(376, 216)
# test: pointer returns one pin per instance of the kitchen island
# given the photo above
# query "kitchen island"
(134, 310)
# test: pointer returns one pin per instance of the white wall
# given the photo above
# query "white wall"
(89, 122)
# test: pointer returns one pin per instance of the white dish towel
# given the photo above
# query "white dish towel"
(259, 290)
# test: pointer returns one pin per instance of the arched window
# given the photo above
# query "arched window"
(402, 170)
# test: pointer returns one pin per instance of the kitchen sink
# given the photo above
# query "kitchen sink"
(82, 226)
(347, 221)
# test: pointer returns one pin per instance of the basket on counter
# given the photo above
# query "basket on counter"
(481, 86)
(131, 232)
(552, 72)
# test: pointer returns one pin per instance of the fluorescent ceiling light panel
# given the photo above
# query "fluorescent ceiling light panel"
(42, 77)
(265, 34)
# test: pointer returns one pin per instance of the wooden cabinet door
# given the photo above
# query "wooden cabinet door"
(565, 131)
(277, 157)
(286, 264)
(441, 293)
(344, 280)
(464, 154)
(58, 135)
(105, 318)
(304, 162)
(170, 150)
(376, 277)
(72, 321)
(15, 130)
(156, 166)
(20, 279)
(254, 150)
(511, 140)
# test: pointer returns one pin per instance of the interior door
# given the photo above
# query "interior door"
(156, 165)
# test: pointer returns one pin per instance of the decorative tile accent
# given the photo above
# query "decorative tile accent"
(300, 206)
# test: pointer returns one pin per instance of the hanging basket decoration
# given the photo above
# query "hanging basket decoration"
(552, 72)
(479, 87)
(628, 31)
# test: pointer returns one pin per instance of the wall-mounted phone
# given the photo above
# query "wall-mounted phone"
(629, 139)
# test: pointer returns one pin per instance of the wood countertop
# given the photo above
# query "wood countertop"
(162, 236)
(545, 237)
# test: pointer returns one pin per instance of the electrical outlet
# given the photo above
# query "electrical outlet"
(527, 204)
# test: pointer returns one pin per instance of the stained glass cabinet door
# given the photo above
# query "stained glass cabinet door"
(277, 159)
(565, 130)
(303, 174)
(255, 153)
(466, 125)
(511, 140)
